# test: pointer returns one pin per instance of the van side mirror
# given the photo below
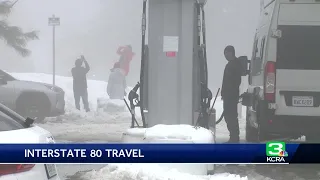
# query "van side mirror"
(244, 65)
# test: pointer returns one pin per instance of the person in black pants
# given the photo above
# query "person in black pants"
(79, 75)
(230, 93)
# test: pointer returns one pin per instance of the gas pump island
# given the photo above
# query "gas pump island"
(174, 78)
(174, 98)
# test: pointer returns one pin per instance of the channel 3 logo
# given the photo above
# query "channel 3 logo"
(276, 149)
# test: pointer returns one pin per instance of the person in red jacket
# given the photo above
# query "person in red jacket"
(126, 56)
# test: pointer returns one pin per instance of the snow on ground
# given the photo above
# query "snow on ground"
(148, 172)
(179, 132)
(95, 126)
(76, 126)
(79, 126)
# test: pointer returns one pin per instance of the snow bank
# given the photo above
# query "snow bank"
(163, 133)
(173, 134)
(134, 135)
(150, 172)
(181, 132)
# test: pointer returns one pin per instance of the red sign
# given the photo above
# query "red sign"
(171, 54)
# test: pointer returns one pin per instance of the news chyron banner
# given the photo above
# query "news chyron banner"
(270, 152)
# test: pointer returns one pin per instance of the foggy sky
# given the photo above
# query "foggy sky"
(95, 28)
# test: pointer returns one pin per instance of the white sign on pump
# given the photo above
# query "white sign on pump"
(170, 43)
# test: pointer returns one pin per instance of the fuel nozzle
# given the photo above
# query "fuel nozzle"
(133, 95)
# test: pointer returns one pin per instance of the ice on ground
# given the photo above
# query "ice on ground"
(149, 172)
(181, 132)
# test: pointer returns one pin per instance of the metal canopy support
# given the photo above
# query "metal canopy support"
(173, 85)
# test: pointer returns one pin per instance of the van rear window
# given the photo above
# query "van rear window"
(299, 47)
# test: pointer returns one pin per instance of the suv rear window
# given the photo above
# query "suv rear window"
(298, 48)
(8, 124)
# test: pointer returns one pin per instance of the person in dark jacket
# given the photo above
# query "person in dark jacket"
(230, 93)
(79, 75)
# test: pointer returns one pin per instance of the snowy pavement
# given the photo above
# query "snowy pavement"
(146, 171)
(79, 126)
(242, 172)
(97, 126)
(249, 172)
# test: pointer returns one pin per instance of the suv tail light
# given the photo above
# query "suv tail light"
(270, 81)
(14, 168)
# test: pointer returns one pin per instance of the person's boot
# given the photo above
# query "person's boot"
(87, 110)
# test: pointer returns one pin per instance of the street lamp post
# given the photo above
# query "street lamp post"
(53, 21)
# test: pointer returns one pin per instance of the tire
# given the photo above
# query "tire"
(261, 114)
(251, 132)
(256, 134)
(33, 105)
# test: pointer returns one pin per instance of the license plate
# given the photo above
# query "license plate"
(51, 170)
(302, 101)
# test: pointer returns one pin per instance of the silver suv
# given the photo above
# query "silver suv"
(31, 99)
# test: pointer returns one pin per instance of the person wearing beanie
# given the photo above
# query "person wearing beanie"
(230, 93)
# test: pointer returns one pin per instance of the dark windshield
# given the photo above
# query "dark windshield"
(299, 48)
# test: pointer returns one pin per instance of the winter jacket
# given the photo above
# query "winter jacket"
(231, 80)
(79, 75)
(125, 59)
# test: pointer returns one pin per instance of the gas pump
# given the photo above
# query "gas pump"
(173, 86)
(199, 98)
(150, 72)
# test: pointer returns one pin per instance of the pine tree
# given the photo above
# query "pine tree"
(13, 35)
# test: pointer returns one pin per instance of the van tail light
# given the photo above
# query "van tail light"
(270, 81)
(14, 168)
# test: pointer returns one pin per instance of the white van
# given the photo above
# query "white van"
(284, 76)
